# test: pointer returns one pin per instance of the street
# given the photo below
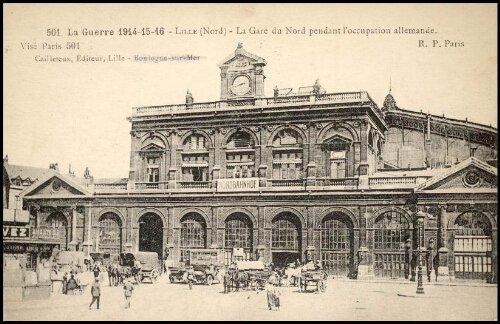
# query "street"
(343, 300)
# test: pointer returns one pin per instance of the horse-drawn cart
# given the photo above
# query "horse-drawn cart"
(205, 263)
(313, 277)
(150, 265)
(250, 274)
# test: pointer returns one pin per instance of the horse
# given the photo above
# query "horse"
(292, 274)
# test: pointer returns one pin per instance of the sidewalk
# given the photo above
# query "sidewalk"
(425, 282)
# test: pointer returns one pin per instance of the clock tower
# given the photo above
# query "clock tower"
(242, 75)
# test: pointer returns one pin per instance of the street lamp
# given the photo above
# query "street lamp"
(420, 223)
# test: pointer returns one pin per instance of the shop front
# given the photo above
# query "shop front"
(26, 263)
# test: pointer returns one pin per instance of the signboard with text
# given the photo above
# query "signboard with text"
(16, 232)
(238, 184)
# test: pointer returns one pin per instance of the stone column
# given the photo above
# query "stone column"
(87, 231)
(443, 270)
(263, 158)
(311, 157)
(363, 163)
(363, 255)
(213, 232)
(172, 171)
(73, 243)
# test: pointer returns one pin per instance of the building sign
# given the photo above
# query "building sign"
(45, 233)
(238, 184)
(26, 248)
(16, 232)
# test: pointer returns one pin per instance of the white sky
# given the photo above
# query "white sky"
(76, 113)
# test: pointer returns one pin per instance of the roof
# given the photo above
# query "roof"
(72, 182)
(241, 51)
(25, 172)
(411, 173)
(111, 181)
(456, 168)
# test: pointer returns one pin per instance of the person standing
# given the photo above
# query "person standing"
(96, 293)
(128, 288)
(270, 293)
(191, 278)
(276, 296)
(96, 270)
(65, 284)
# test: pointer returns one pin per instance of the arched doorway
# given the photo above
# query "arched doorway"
(151, 234)
(286, 239)
(193, 234)
(59, 223)
(110, 234)
(238, 238)
(472, 246)
(337, 244)
(392, 230)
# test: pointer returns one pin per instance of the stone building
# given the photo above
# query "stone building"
(311, 175)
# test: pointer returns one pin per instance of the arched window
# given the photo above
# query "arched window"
(238, 233)
(110, 234)
(472, 223)
(391, 231)
(472, 246)
(195, 157)
(336, 232)
(240, 156)
(337, 244)
(286, 232)
(288, 155)
(193, 234)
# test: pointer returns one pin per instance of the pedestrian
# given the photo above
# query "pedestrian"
(65, 283)
(227, 280)
(128, 288)
(72, 285)
(96, 293)
(276, 296)
(96, 270)
(270, 293)
(191, 277)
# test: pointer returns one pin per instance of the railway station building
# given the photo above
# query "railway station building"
(307, 174)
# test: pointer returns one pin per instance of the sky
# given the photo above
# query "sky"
(76, 113)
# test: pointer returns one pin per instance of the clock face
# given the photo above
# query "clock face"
(241, 85)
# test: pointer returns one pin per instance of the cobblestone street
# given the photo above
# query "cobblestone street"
(343, 300)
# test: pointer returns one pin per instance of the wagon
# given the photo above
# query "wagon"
(313, 277)
(150, 264)
(205, 263)
(251, 274)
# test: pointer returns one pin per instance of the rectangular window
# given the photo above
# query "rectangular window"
(153, 174)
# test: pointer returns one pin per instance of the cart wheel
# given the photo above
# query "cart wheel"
(210, 280)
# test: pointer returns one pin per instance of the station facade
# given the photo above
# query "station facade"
(309, 175)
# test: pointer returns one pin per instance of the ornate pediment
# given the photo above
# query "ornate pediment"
(56, 186)
(336, 142)
(469, 174)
